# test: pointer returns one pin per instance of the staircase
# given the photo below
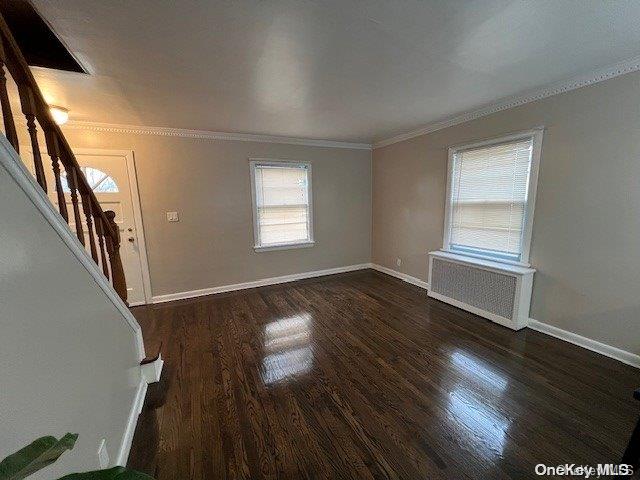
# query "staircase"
(73, 354)
(95, 229)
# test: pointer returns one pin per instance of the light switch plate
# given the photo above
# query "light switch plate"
(103, 455)
(173, 217)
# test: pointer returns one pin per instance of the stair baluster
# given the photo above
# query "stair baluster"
(29, 109)
(103, 255)
(72, 180)
(54, 152)
(86, 207)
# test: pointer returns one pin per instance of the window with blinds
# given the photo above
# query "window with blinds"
(489, 192)
(282, 204)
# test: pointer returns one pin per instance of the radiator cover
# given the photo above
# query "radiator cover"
(499, 292)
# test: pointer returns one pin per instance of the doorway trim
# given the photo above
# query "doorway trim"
(129, 156)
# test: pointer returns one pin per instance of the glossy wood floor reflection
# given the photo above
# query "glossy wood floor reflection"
(362, 376)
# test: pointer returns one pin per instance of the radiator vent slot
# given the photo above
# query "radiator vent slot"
(490, 291)
(496, 291)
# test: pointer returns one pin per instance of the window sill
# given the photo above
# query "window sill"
(283, 246)
(492, 264)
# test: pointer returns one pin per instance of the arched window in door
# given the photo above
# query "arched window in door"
(99, 181)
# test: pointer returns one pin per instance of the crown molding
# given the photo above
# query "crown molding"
(622, 68)
(209, 135)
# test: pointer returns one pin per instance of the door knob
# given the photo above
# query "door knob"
(131, 239)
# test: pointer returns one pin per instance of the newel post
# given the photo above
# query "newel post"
(113, 247)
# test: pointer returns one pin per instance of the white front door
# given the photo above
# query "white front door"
(111, 174)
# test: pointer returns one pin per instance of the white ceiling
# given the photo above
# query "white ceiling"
(348, 70)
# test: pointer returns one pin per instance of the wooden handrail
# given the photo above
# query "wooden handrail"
(36, 111)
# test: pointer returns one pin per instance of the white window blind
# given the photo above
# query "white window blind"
(282, 203)
(489, 194)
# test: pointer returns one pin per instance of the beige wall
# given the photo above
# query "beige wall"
(586, 233)
(208, 183)
(586, 228)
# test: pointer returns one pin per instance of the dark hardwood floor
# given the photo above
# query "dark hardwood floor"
(360, 375)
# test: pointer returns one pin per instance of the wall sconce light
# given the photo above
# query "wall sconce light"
(60, 115)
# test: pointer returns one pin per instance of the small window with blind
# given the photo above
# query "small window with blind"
(490, 197)
(282, 211)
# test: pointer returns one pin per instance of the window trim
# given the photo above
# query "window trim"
(536, 135)
(255, 162)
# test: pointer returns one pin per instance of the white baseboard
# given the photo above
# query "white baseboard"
(132, 421)
(256, 283)
(607, 350)
(588, 343)
(402, 276)
(151, 372)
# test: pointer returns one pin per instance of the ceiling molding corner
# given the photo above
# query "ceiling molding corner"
(209, 135)
(622, 68)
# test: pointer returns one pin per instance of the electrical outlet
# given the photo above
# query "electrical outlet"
(103, 455)
(398, 262)
(173, 217)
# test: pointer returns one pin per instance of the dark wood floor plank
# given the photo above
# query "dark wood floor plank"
(361, 375)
